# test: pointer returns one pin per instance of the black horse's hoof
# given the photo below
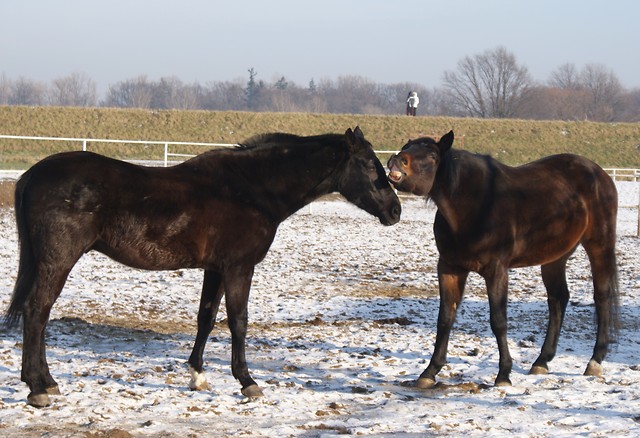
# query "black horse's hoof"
(252, 391)
(503, 382)
(425, 383)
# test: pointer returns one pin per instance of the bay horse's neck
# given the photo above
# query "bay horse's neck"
(461, 189)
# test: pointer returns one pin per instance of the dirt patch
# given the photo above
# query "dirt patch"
(7, 188)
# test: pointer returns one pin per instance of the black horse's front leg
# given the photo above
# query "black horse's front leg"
(237, 284)
(212, 293)
(451, 286)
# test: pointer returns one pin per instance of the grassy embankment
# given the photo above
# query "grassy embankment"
(511, 141)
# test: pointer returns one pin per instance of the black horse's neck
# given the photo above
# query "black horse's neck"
(280, 173)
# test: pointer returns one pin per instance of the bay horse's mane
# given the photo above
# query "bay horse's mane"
(452, 161)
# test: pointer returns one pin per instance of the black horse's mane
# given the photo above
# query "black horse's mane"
(269, 140)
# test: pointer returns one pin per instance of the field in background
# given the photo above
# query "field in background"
(511, 141)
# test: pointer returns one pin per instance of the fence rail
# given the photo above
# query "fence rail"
(171, 156)
(618, 174)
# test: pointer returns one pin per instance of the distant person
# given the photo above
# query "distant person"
(412, 103)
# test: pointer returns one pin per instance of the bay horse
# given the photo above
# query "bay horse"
(218, 211)
(492, 217)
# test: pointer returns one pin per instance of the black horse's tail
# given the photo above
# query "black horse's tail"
(27, 268)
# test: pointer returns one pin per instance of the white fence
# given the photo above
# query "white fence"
(171, 156)
(166, 144)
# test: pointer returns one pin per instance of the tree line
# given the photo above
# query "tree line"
(491, 84)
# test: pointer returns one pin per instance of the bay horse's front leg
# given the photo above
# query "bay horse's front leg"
(497, 280)
(212, 293)
(237, 282)
(451, 285)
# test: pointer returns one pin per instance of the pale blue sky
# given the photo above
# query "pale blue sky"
(386, 41)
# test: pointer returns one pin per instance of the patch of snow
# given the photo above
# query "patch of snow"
(342, 314)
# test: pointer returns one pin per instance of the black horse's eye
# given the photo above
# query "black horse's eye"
(371, 166)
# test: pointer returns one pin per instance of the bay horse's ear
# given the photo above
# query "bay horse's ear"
(446, 141)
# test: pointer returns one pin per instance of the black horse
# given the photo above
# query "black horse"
(218, 211)
(492, 217)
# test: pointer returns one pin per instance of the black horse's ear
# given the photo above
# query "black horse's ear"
(354, 139)
(446, 141)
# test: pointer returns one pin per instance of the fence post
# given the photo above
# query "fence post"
(166, 154)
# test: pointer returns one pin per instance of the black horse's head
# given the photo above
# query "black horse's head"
(414, 168)
(364, 183)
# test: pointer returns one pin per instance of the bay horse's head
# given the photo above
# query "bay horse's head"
(364, 182)
(414, 168)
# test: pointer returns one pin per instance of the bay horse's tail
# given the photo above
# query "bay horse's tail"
(614, 303)
(27, 267)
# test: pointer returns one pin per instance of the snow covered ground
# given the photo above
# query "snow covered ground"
(342, 315)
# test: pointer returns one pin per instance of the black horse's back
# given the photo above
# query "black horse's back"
(218, 212)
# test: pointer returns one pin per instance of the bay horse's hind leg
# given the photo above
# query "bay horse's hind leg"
(605, 295)
(212, 293)
(555, 281)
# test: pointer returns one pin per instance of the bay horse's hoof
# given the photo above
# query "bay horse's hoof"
(252, 391)
(39, 400)
(425, 383)
(593, 369)
(537, 370)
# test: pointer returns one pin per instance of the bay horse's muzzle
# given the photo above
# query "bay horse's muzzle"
(397, 165)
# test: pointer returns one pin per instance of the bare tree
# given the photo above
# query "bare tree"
(604, 91)
(27, 92)
(552, 103)
(132, 93)
(491, 84)
(227, 95)
(566, 77)
(76, 89)
(5, 89)
(171, 93)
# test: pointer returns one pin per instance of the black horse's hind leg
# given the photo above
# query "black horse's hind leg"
(555, 281)
(35, 370)
(237, 282)
(212, 293)
(497, 289)
(451, 291)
